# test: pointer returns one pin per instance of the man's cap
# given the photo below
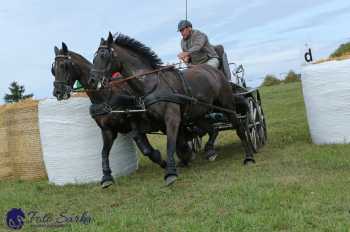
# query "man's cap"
(183, 24)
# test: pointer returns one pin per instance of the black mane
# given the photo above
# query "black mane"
(81, 57)
(138, 47)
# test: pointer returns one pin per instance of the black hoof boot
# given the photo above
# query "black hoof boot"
(249, 161)
(211, 155)
(107, 180)
(170, 179)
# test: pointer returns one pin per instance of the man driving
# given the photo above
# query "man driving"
(195, 45)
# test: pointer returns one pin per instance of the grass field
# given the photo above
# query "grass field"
(294, 186)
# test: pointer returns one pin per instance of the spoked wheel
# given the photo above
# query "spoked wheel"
(252, 125)
(195, 144)
(262, 130)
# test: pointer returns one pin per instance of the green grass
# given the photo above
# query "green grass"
(294, 186)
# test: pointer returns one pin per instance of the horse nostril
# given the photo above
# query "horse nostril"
(56, 93)
(92, 81)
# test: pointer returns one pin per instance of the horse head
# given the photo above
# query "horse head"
(104, 64)
(64, 72)
(121, 54)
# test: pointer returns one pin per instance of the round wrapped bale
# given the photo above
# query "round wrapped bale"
(326, 89)
(72, 143)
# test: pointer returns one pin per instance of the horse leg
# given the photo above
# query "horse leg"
(108, 138)
(209, 149)
(240, 130)
(147, 149)
(213, 133)
(172, 122)
(249, 157)
(183, 151)
(230, 103)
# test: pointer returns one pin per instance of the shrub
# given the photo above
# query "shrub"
(292, 77)
(271, 80)
(342, 50)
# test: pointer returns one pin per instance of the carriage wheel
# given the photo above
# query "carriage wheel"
(257, 124)
(262, 130)
(196, 144)
(254, 122)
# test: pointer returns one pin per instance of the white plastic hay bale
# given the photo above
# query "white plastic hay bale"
(72, 143)
(326, 89)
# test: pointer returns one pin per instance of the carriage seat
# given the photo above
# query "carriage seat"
(223, 62)
(220, 51)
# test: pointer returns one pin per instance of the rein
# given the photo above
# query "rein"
(117, 82)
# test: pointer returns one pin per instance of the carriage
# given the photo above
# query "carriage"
(249, 110)
(185, 109)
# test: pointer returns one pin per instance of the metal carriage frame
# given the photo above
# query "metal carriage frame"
(251, 113)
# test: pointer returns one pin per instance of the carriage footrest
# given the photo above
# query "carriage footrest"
(126, 111)
(223, 126)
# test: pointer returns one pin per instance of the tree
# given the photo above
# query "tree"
(271, 80)
(292, 77)
(16, 93)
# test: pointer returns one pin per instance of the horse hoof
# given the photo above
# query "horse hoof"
(106, 184)
(249, 161)
(107, 180)
(169, 180)
(193, 156)
(212, 157)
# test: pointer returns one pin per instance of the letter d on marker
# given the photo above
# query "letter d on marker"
(308, 56)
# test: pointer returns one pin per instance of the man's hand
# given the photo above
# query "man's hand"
(184, 56)
(186, 60)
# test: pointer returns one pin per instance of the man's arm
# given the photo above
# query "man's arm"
(198, 41)
(184, 56)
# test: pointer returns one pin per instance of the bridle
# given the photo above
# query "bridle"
(104, 72)
(66, 83)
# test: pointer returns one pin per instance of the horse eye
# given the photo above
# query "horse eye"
(106, 54)
(66, 64)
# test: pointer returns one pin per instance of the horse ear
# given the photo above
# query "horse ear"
(102, 41)
(64, 48)
(110, 38)
(57, 51)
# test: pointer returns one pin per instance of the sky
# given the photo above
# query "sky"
(266, 36)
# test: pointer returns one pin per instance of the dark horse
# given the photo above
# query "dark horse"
(70, 67)
(206, 84)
